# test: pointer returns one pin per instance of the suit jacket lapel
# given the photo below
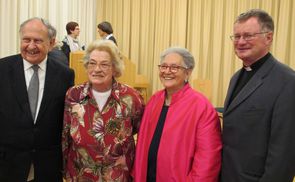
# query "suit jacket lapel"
(232, 85)
(50, 85)
(250, 87)
(19, 87)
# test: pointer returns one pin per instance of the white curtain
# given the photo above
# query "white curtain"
(58, 12)
(144, 28)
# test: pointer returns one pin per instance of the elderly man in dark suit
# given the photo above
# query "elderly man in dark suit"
(33, 87)
(259, 117)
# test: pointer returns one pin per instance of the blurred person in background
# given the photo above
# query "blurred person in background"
(56, 52)
(105, 31)
(70, 42)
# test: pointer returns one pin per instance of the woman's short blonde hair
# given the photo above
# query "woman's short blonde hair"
(109, 47)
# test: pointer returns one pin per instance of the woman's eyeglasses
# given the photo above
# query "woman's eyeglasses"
(173, 68)
(103, 66)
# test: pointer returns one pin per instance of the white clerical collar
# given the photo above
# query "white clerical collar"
(247, 68)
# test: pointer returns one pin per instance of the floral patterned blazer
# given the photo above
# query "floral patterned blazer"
(99, 145)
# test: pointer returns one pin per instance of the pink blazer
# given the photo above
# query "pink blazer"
(190, 146)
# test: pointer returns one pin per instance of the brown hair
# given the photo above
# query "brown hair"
(71, 27)
(264, 19)
(105, 27)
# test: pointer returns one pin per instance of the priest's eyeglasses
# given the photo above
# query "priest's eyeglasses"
(246, 37)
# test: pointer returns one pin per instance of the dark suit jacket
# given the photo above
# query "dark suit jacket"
(112, 38)
(21, 141)
(58, 55)
(259, 127)
(65, 48)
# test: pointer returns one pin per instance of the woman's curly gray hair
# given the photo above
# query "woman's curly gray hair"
(109, 47)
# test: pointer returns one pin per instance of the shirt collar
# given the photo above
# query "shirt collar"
(28, 65)
(179, 94)
(255, 66)
(115, 91)
(247, 68)
(107, 37)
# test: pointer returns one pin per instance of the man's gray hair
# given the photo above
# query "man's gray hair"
(264, 19)
(109, 47)
(50, 28)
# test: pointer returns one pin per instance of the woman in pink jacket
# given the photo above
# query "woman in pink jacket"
(179, 137)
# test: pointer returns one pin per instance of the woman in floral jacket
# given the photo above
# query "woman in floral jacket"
(100, 119)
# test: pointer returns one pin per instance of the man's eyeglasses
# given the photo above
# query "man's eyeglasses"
(103, 66)
(246, 37)
(173, 68)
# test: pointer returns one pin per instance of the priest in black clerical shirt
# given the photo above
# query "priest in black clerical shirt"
(259, 118)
